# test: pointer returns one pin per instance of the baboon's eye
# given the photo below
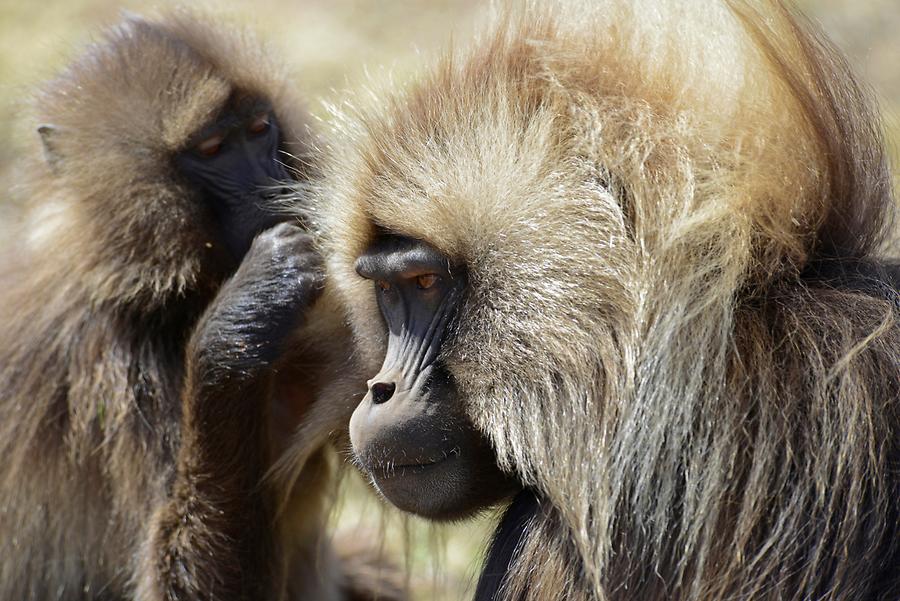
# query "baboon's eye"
(259, 124)
(382, 285)
(424, 282)
(210, 146)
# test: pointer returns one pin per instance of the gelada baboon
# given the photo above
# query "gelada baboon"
(138, 408)
(631, 246)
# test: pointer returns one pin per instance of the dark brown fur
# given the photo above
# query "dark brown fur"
(130, 469)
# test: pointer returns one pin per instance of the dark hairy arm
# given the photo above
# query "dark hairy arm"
(212, 538)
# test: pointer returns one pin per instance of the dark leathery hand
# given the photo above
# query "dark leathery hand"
(279, 278)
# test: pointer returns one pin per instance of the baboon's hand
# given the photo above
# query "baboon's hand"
(244, 328)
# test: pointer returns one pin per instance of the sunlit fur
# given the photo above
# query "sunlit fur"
(676, 329)
(100, 287)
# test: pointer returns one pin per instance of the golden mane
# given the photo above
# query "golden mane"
(678, 331)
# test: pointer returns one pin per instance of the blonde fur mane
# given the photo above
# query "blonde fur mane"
(649, 198)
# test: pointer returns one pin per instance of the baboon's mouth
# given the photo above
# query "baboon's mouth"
(408, 468)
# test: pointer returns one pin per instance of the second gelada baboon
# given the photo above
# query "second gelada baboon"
(148, 302)
(624, 260)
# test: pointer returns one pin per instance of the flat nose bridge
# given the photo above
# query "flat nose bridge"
(382, 392)
(262, 170)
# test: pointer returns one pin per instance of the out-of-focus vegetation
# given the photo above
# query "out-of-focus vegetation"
(330, 45)
(867, 30)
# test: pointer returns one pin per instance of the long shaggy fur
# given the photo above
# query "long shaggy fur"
(100, 293)
(678, 331)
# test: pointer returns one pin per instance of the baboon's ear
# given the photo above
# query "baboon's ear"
(51, 154)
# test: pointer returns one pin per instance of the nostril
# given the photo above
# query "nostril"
(382, 392)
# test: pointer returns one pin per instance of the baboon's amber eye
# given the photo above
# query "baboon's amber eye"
(424, 282)
(210, 146)
(259, 124)
(383, 286)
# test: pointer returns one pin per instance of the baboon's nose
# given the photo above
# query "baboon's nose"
(382, 392)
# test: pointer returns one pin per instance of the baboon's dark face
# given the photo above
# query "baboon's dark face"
(236, 166)
(410, 432)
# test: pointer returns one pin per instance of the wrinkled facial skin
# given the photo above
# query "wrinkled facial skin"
(410, 432)
(235, 165)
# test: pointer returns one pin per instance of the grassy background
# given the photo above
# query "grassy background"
(330, 45)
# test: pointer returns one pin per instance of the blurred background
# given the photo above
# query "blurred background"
(333, 45)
